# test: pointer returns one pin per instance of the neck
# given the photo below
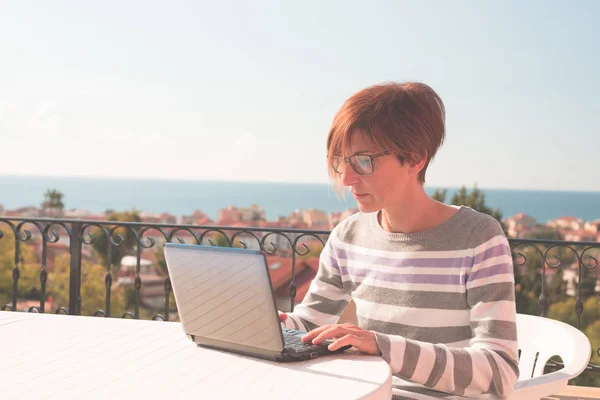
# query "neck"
(417, 212)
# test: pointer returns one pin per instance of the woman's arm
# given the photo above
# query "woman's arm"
(326, 297)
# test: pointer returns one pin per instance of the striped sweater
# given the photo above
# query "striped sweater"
(441, 301)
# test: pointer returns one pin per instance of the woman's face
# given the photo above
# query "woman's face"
(386, 186)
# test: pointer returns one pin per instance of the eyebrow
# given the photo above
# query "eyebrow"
(359, 153)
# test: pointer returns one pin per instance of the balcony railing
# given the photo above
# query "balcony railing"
(536, 261)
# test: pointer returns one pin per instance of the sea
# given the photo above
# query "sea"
(182, 197)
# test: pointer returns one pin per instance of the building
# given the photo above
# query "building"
(315, 218)
(567, 223)
(234, 214)
(253, 213)
(129, 265)
(519, 224)
(592, 226)
(80, 213)
(155, 218)
(579, 235)
(338, 216)
(197, 218)
(25, 212)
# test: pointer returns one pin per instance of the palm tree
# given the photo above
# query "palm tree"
(53, 205)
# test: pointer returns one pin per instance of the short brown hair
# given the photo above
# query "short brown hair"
(406, 119)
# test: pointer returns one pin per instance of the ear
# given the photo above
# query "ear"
(418, 162)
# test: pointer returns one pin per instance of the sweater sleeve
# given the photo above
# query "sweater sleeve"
(326, 297)
(489, 364)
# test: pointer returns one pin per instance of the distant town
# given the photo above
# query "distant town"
(519, 225)
(252, 216)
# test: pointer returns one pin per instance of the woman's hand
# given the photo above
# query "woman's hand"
(343, 335)
(282, 316)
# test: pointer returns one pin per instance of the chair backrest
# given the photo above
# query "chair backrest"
(542, 338)
(539, 340)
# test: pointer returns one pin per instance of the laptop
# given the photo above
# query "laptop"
(225, 301)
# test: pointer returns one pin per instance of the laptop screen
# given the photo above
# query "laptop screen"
(224, 294)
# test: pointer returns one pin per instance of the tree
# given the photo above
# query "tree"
(528, 280)
(560, 255)
(440, 195)
(220, 240)
(93, 287)
(590, 379)
(557, 288)
(588, 283)
(53, 205)
(29, 285)
(159, 256)
(475, 199)
(126, 247)
(544, 233)
(564, 311)
(590, 325)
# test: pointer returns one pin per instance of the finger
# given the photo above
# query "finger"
(334, 332)
(345, 340)
(282, 316)
(364, 344)
(312, 334)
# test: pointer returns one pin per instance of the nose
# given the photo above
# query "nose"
(349, 176)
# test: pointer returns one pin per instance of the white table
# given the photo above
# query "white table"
(57, 356)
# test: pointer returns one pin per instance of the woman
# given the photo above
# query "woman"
(433, 284)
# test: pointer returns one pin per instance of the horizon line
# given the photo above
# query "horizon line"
(97, 177)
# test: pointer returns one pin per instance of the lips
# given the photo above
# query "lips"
(358, 196)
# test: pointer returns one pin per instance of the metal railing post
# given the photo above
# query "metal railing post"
(75, 249)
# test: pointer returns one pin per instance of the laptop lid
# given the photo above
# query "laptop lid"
(224, 295)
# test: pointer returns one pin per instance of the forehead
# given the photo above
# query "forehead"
(359, 142)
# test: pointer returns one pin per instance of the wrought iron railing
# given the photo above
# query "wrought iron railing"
(536, 257)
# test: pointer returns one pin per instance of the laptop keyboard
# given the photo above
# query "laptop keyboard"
(292, 340)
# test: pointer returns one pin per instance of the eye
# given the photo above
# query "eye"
(363, 162)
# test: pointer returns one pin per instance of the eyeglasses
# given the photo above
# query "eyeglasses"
(362, 164)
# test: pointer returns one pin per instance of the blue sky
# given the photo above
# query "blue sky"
(247, 90)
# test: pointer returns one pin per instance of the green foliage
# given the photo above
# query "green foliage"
(557, 287)
(128, 245)
(161, 263)
(590, 379)
(440, 195)
(29, 284)
(589, 324)
(593, 334)
(588, 283)
(220, 240)
(93, 292)
(93, 287)
(564, 311)
(474, 199)
(544, 233)
(53, 203)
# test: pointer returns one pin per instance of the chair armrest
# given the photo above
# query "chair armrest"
(540, 386)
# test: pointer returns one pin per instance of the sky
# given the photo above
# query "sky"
(246, 91)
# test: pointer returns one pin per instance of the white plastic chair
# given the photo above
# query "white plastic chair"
(544, 338)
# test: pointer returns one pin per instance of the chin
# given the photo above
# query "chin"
(367, 208)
